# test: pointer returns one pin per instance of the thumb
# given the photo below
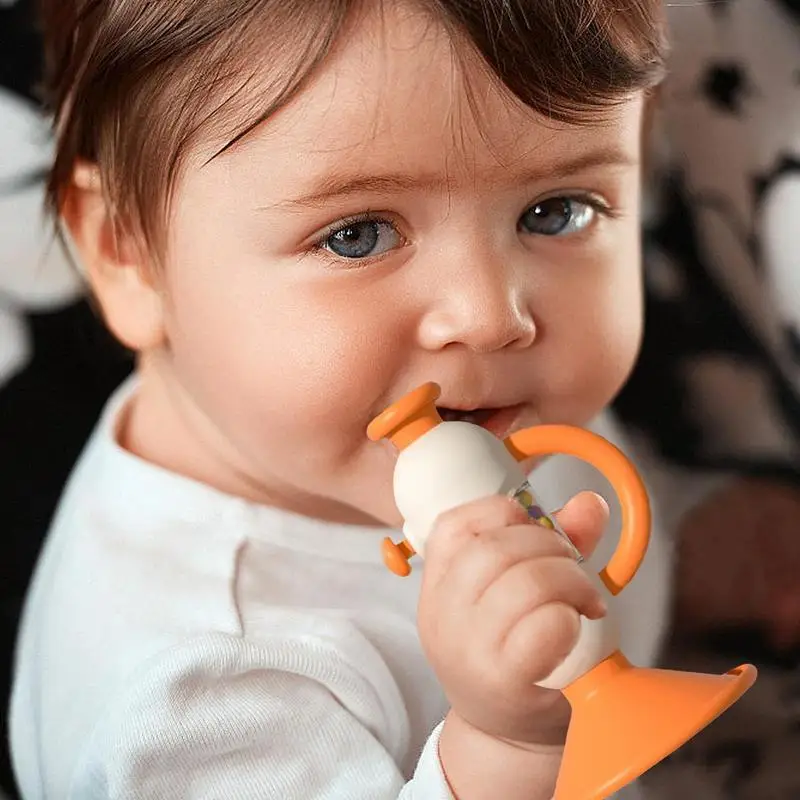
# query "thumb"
(584, 519)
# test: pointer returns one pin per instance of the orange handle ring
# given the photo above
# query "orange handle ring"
(545, 440)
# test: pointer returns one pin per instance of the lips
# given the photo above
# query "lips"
(498, 421)
(476, 416)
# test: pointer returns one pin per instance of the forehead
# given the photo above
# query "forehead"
(399, 95)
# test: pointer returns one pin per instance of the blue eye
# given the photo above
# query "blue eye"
(558, 216)
(362, 239)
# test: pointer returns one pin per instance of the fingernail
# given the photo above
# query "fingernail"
(600, 608)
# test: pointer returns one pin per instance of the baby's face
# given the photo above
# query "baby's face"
(376, 234)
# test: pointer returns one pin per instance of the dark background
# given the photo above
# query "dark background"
(48, 409)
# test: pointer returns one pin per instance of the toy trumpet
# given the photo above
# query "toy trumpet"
(625, 719)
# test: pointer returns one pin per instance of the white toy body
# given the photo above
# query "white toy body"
(426, 484)
(458, 462)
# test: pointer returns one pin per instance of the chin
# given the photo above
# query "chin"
(375, 508)
(389, 517)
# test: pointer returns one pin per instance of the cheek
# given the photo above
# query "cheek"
(593, 341)
(613, 343)
(618, 341)
(278, 365)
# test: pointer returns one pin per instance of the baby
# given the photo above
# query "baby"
(294, 213)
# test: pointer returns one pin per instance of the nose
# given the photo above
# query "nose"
(482, 307)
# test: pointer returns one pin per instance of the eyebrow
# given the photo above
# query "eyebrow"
(337, 186)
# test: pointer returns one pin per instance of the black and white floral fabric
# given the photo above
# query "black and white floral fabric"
(718, 384)
(716, 393)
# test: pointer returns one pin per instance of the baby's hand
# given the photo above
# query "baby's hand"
(499, 610)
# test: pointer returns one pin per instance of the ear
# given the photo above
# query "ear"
(116, 266)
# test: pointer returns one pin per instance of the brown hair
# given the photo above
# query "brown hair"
(133, 84)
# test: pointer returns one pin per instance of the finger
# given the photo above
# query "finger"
(584, 519)
(538, 643)
(454, 529)
(532, 584)
(484, 558)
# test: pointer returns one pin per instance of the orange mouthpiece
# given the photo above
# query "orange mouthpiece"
(409, 418)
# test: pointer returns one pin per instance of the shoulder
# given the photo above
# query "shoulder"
(131, 569)
(139, 551)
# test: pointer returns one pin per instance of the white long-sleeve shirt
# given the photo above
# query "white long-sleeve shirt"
(181, 643)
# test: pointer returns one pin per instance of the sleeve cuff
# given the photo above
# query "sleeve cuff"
(429, 780)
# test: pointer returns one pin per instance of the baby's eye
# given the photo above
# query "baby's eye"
(558, 216)
(362, 239)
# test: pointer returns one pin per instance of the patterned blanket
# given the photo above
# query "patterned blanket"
(751, 752)
(717, 386)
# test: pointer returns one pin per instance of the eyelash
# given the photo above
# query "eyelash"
(318, 245)
(598, 205)
(602, 207)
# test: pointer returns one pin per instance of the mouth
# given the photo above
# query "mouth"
(498, 421)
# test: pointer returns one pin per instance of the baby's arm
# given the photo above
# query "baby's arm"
(209, 720)
(310, 711)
